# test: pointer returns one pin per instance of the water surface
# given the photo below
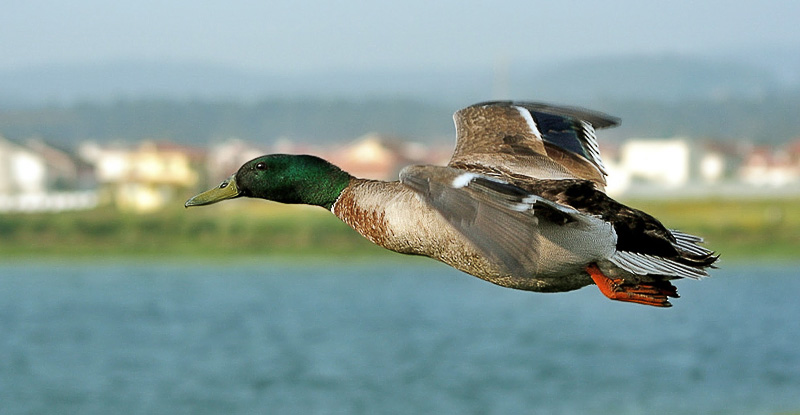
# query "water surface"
(399, 337)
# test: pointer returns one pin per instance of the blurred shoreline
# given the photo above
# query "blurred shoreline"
(738, 229)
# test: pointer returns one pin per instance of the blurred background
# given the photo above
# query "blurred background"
(115, 114)
(112, 115)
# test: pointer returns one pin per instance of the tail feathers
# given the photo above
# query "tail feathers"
(691, 252)
(644, 264)
(691, 261)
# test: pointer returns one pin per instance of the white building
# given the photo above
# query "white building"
(22, 171)
(26, 176)
(663, 162)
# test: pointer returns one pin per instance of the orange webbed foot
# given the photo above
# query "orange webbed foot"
(617, 289)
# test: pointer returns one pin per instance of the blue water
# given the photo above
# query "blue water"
(406, 337)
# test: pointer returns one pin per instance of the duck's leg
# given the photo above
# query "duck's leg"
(649, 294)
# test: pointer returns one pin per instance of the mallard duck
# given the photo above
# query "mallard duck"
(521, 204)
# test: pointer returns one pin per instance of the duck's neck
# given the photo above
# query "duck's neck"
(309, 180)
(323, 191)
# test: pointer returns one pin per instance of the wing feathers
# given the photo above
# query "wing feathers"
(504, 221)
(539, 140)
(499, 218)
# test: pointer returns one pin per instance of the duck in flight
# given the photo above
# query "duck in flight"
(521, 204)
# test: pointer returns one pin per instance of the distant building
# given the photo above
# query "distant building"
(371, 156)
(64, 172)
(770, 167)
(375, 156)
(676, 165)
(145, 178)
(36, 177)
(664, 162)
(793, 150)
(22, 171)
(225, 158)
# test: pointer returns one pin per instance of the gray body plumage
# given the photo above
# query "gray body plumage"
(392, 215)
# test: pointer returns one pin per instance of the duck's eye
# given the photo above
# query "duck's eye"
(261, 166)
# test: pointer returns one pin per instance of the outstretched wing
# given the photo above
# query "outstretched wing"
(531, 139)
(502, 220)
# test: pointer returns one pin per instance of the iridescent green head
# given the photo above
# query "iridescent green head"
(281, 178)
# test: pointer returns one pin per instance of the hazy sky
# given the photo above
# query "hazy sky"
(301, 35)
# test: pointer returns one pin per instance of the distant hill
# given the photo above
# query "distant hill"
(654, 78)
(201, 122)
(634, 77)
(769, 118)
(754, 96)
(772, 118)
